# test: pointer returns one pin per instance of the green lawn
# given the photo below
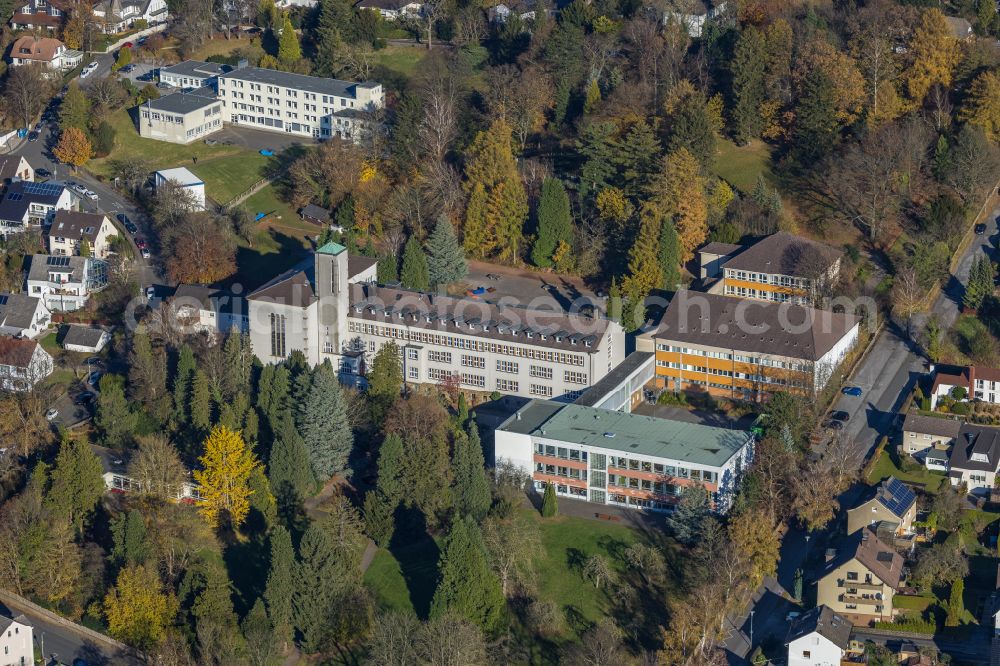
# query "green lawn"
(227, 177)
(885, 467)
(160, 154)
(565, 544)
(914, 603)
(219, 46)
(401, 59)
(741, 165)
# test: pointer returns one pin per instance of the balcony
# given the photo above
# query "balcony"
(857, 585)
(862, 601)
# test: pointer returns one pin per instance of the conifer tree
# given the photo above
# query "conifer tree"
(130, 539)
(387, 269)
(471, 489)
(644, 270)
(597, 148)
(414, 274)
(74, 110)
(555, 223)
(445, 258)
(380, 517)
(385, 378)
(182, 381)
(980, 285)
(147, 375)
(289, 50)
(550, 505)
(258, 633)
(816, 125)
(200, 405)
(318, 577)
(77, 482)
(114, 420)
(239, 364)
(281, 583)
(289, 470)
(692, 129)
(669, 255)
(636, 157)
(391, 469)
(323, 424)
(467, 587)
(748, 70)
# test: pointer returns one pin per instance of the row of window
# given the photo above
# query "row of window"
(202, 129)
(470, 343)
(764, 295)
(563, 452)
(507, 385)
(541, 390)
(739, 358)
(658, 487)
(765, 278)
(559, 470)
(290, 92)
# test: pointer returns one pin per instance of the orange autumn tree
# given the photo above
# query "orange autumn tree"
(74, 147)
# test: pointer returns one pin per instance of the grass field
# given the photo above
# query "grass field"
(219, 46)
(401, 59)
(403, 579)
(886, 467)
(226, 177)
(160, 154)
(741, 165)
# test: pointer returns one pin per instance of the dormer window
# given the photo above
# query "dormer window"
(979, 457)
(587, 343)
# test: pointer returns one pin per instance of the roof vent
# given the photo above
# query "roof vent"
(609, 435)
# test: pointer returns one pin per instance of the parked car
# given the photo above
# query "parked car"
(43, 173)
(84, 398)
(148, 76)
(95, 377)
(76, 187)
(51, 414)
(131, 228)
(32, 136)
(140, 242)
(127, 45)
(145, 253)
(88, 70)
(980, 229)
(90, 194)
(852, 390)
(127, 69)
(840, 416)
(834, 425)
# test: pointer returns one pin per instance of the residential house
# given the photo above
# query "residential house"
(975, 458)
(965, 383)
(117, 16)
(73, 232)
(820, 637)
(391, 10)
(85, 339)
(696, 16)
(16, 645)
(15, 167)
(622, 459)
(861, 578)
(330, 308)
(207, 309)
(23, 363)
(181, 117)
(523, 9)
(39, 14)
(23, 316)
(64, 283)
(299, 105)
(192, 74)
(892, 502)
(960, 28)
(315, 215)
(32, 204)
(929, 439)
(781, 267)
(184, 179)
(117, 480)
(746, 350)
(46, 51)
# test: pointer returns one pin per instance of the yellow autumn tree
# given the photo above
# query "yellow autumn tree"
(137, 609)
(679, 191)
(224, 477)
(756, 539)
(844, 75)
(613, 205)
(982, 107)
(74, 147)
(644, 270)
(934, 53)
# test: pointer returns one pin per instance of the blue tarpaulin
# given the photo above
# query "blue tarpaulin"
(479, 291)
(259, 216)
(266, 153)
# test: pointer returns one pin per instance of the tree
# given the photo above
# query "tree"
(816, 123)
(385, 379)
(74, 110)
(934, 53)
(77, 482)
(691, 128)
(498, 204)
(226, 468)
(679, 190)
(949, 505)
(147, 375)
(597, 571)
(467, 587)
(669, 255)
(183, 373)
(280, 585)
(380, 517)
(471, 490)
(104, 139)
(114, 420)
(758, 541)
(74, 30)
(941, 564)
(157, 467)
(25, 92)
(689, 514)
(550, 506)
(73, 148)
(198, 250)
(137, 609)
(323, 424)
(289, 50)
(130, 538)
(748, 70)
(200, 405)
(322, 574)
(956, 607)
(393, 641)
(596, 146)
(980, 284)
(124, 58)
(555, 222)
(982, 106)
(645, 272)
(414, 274)
(258, 634)
(445, 258)
(512, 547)
(289, 468)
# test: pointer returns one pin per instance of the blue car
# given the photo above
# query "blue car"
(851, 390)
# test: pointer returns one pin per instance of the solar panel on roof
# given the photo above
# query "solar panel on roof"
(14, 196)
(897, 496)
(3, 299)
(57, 261)
(43, 189)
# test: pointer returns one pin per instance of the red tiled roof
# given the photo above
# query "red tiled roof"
(16, 352)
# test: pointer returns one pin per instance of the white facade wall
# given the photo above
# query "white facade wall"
(814, 650)
(177, 127)
(16, 647)
(21, 379)
(58, 295)
(825, 366)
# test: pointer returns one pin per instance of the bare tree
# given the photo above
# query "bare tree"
(359, 59)
(907, 294)
(597, 571)
(132, 171)
(157, 467)
(512, 547)
(601, 645)
(438, 127)
(25, 93)
(392, 642)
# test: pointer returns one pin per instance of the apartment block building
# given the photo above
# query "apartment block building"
(745, 350)
(181, 117)
(782, 267)
(861, 578)
(63, 283)
(332, 309)
(297, 104)
(622, 459)
(71, 228)
(192, 74)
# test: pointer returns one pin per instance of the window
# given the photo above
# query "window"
(571, 377)
(541, 390)
(507, 385)
(507, 366)
(473, 361)
(413, 372)
(412, 354)
(477, 381)
(540, 371)
(439, 357)
(277, 335)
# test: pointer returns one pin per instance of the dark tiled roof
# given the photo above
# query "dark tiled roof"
(884, 562)
(986, 374)
(9, 165)
(84, 336)
(16, 352)
(182, 102)
(785, 254)
(313, 84)
(210, 298)
(293, 287)
(20, 194)
(6, 621)
(931, 425)
(359, 263)
(17, 310)
(974, 440)
(40, 267)
(823, 621)
(315, 212)
(725, 249)
(71, 224)
(729, 322)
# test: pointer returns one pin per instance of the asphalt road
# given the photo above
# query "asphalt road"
(886, 376)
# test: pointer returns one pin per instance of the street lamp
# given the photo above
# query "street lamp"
(751, 629)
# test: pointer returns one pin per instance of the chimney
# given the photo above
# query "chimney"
(829, 554)
(242, 63)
